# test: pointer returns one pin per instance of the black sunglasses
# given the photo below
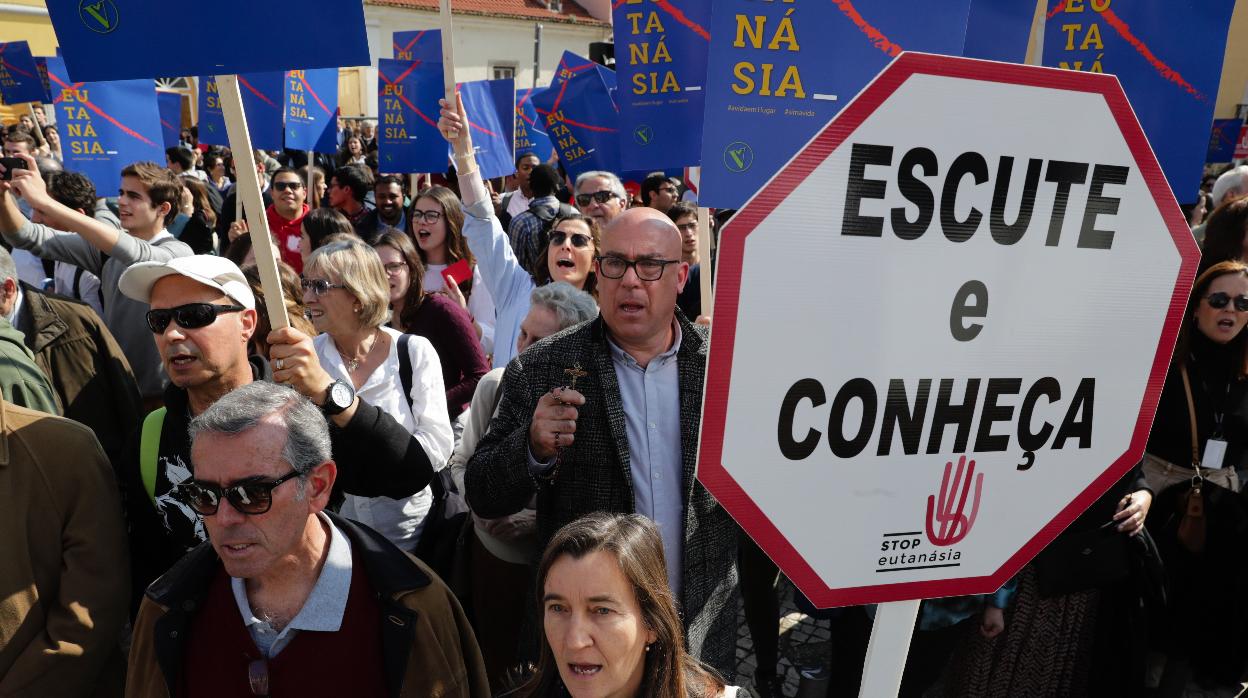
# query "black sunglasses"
(251, 498)
(283, 186)
(601, 197)
(579, 240)
(319, 286)
(1218, 301)
(189, 317)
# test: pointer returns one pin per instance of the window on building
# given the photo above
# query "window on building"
(504, 72)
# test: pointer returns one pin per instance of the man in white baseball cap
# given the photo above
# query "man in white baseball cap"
(202, 317)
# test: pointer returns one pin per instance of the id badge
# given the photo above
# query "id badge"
(1215, 454)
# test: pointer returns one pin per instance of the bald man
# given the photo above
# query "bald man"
(604, 417)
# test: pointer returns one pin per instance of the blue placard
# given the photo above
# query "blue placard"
(262, 103)
(1168, 57)
(583, 123)
(105, 126)
(19, 75)
(489, 105)
(311, 100)
(998, 30)
(41, 64)
(211, 121)
(571, 64)
(419, 45)
(660, 58)
(170, 106)
(531, 134)
(407, 106)
(1222, 140)
(115, 40)
(776, 76)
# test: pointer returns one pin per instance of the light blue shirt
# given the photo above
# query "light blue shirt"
(651, 399)
(323, 609)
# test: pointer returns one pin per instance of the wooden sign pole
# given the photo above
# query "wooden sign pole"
(248, 191)
(448, 64)
(313, 201)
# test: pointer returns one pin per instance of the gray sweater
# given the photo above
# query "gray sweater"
(125, 318)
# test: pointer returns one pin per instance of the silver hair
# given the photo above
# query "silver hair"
(307, 434)
(570, 305)
(612, 181)
(8, 268)
(1233, 180)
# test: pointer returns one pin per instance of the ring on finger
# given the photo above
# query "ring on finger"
(278, 363)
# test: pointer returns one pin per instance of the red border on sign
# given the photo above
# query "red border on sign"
(727, 294)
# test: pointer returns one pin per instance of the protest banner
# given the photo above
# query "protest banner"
(105, 126)
(41, 63)
(531, 136)
(770, 86)
(1051, 398)
(262, 98)
(661, 51)
(407, 103)
(420, 45)
(109, 40)
(1241, 146)
(169, 106)
(1222, 140)
(489, 105)
(582, 121)
(311, 99)
(1170, 75)
(19, 75)
(571, 64)
(998, 30)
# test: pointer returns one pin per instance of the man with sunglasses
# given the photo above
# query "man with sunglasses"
(283, 586)
(149, 200)
(202, 318)
(601, 196)
(286, 214)
(604, 417)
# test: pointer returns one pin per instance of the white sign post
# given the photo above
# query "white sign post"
(948, 318)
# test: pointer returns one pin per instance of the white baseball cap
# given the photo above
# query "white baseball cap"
(209, 270)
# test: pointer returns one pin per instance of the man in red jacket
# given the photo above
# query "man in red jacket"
(286, 214)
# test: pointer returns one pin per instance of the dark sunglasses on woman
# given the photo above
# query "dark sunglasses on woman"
(251, 498)
(1218, 301)
(579, 240)
(189, 317)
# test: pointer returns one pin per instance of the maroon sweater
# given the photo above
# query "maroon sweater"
(219, 649)
(449, 329)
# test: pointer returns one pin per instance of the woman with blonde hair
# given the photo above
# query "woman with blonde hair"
(348, 301)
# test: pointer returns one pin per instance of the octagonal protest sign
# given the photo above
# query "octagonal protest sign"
(941, 330)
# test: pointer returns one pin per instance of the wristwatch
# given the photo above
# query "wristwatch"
(338, 397)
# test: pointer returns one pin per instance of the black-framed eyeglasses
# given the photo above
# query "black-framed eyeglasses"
(1218, 301)
(426, 216)
(189, 317)
(614, 267)
(601, 197)
(283, 186)
(319, 287)
(252, 497)
(579, 240)
(395, 267)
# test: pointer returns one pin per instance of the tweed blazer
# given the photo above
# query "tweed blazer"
(594, 472)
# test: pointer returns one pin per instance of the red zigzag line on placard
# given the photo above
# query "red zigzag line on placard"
(403, 98)
(876, 36)
(1124, 30)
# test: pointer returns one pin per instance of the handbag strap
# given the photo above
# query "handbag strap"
(1191, 415)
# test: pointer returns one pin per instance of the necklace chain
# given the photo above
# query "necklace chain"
(354, 363)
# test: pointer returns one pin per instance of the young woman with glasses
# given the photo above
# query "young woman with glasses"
(433, 316)
(436, 222)
(348, 298)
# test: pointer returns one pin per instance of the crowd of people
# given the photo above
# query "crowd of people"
(464, 462)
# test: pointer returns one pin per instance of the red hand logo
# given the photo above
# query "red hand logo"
(954, 523)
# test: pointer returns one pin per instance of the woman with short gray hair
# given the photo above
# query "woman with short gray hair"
(348, 299)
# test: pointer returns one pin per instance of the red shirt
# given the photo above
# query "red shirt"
(287, 234)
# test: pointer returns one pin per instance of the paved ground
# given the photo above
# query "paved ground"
(803, 643)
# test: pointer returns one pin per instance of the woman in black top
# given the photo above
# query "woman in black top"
(1204, 638)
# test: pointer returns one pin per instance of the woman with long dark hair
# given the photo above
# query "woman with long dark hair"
(1224, 233)
(436, 224)
(610, 624)
(435, 317)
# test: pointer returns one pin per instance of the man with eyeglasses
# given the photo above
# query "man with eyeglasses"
(604, 417)
(283, 586)
(148, 202)
(285, 216)
(601, 196)
(659, 191)
(202, 318)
